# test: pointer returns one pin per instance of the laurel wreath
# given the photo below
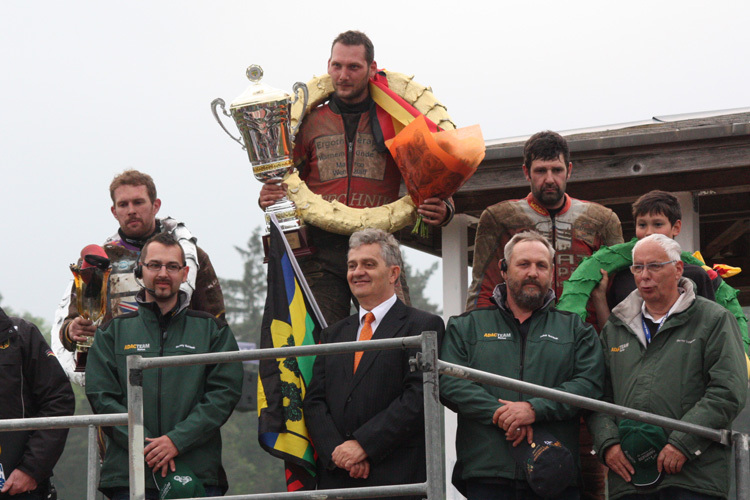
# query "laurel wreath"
(336, 217)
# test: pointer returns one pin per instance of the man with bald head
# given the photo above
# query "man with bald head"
(678, 355)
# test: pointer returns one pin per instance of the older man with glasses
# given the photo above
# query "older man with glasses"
(675, 354)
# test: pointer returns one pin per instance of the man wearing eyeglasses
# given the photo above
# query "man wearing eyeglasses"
(184, 407)
(135, 206)
(656, 212)
(678, 355)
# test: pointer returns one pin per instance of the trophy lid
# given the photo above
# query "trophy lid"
(258, 92)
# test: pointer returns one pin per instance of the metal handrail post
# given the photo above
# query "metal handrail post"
(93, 464)
(136, 435)
(742, 465)
(433, 434)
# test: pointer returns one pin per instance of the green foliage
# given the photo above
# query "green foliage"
(70, 472)
(250, 469)
(40, 322)
(417, 282)
(245, 298)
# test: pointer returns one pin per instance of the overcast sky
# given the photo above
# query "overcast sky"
(90, 88)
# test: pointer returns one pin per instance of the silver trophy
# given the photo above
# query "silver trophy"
(262, 115)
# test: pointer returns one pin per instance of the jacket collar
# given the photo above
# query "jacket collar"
(629, 310)
(538, 208)
(182, 303)
(367, 106)
(4, 319)
(500, 293)
(5, 323)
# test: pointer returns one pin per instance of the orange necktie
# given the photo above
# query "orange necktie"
(365, 334)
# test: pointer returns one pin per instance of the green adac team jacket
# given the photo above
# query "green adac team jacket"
(560, 351)
(189, 404)
(693, 370)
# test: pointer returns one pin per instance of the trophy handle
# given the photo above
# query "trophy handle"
(296, 88)
(219, 102)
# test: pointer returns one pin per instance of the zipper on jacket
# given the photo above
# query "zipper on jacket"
(519, 471)
(158, 382)
(350, 156)
(523, 359)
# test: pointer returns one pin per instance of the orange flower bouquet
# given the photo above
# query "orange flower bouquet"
(435, 164)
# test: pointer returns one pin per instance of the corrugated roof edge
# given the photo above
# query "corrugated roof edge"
(513, 146)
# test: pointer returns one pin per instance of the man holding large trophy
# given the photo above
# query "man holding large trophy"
(342, 139)
(340, 154)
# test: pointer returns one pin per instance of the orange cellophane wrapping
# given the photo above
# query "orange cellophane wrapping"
(436, 165)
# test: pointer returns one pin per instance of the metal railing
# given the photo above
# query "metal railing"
(723, 436)
(427, 361)
(433, 488)
(90, 421)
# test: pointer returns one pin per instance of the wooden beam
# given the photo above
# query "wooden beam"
(599, 190)
(734, 232)
(733, 158)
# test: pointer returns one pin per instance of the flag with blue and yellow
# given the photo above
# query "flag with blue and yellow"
(289, 319)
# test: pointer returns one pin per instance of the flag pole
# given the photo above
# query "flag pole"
(300, 277)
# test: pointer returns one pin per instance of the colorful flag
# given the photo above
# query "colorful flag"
(393, 111)
(290, 318)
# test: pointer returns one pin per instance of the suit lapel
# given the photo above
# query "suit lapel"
(389, 327)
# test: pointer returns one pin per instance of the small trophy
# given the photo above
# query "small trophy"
(262, 115)
(91, 280)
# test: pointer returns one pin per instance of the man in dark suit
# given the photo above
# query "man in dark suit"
(365, 410)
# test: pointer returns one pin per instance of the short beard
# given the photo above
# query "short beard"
(353, 98)
(549, 200)
(529, 300)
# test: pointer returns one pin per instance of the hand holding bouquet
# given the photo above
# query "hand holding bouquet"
(435, 165)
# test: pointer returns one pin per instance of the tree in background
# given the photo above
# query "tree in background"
(248, 467)
(245, 298)
(417, 281)
(40, 322)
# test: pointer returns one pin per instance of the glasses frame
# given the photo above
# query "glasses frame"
(652, 267)
(151, 266)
